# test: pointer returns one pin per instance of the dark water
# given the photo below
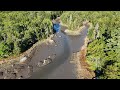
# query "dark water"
(60, 68)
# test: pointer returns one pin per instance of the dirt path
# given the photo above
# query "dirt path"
(65, 65)
(53, 59)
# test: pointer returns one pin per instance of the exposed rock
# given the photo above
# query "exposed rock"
(24, 72)
(23, 60)
(10, 76)
(30, 70)
(51, 41)
(47, 61)
(16, 70)
(14, 75)
(52, 57)
(20, 77)
(19, 66)
(40, 63)
(30, 66)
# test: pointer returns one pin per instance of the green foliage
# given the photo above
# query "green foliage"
(19, 30)
(103, 52)
(108, 48)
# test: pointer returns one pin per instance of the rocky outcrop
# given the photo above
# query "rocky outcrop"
(19, 68)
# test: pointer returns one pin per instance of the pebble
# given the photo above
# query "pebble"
(48, 56)
(5, 77)
(44, 62)
(40, 64)
(16, 70)
(51, 41)
(23, 59)
(30, 66)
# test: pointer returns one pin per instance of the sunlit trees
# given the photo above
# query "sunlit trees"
(19, 30)
(103, 52)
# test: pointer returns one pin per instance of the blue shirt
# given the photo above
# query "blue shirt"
(56, 27)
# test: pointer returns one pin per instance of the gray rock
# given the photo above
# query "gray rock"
(10, 76)
(20, 77)
(23, 60)
(25, 72)
(16, 70)
(40, 63)
(47, 61)
(1, 73)
(30, 69)
(19, 66)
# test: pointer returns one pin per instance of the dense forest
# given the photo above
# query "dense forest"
(103, 52)
(19, 30)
